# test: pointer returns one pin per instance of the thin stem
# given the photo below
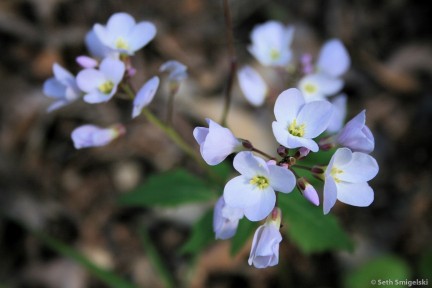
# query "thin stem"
(170, 108)
(302, 167)
(233, 60)
(263, 153)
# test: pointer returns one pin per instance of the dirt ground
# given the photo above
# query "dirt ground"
(71, 194)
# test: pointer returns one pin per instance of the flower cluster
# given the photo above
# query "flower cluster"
(107, 73)
(306, 121)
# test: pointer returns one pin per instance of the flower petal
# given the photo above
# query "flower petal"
(239, 193)
(54, 89)
(284, 138)
(339, 113)
(252, 85)
(281, 179)
(333, 59)
(361, 168)
(119, 23)
(89, 79)
(288, 105)
(329, 194)
(145, 95)
(249, 165)
(200, 134)
(113, 69)
(141, 35)
(96, 97)
(261, 208)
(356, 194)
(316, 117)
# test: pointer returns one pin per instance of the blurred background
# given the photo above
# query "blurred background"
(71, 194)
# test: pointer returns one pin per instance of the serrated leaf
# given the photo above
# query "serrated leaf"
(202, 235)
(377, 272)
(309, 228)
(169, 189)
(245, 230)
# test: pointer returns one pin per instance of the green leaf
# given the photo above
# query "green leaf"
(309, 228)
(385, 271)
(245, 230)
(155, 259)
(169, 189)
(202, 235)
(223, 170)
(425, 265)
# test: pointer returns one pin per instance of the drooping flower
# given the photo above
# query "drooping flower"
(297, 122)
(145, 95)
(177, 71)
(318, 86)
(356, 135)
(333, 59)
(265, 245)
(122, 34)
(93, 136)
(225, 219)
(252, 85)
(254, 190)
(346, 179)
(62, 87)
(100, 85)
(271, 43)
(216, 142)
(339, 113)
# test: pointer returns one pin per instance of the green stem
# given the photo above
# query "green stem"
(302, 167)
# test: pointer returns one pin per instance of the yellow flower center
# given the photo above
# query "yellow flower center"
(334, 172)
(106, 87)
(310, 88)
(121, 44)
(274, 54)
(260, 181)
(296, 130)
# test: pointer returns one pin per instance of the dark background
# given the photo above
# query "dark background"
(47, 184)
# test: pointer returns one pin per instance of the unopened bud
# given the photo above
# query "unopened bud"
(247, 144)
(282, 151)
(301, 153)
(318, 172)
(327, 143)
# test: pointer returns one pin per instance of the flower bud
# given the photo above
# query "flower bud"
(282, 151)
(308, 191)
(93, 136)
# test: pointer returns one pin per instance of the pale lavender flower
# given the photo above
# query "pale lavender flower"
(254, 190)
(225, 219)
(339, 113)
(333, 59)
(346, 179)
(122, 34)
(265, 245)
(177, 71)
(145, 95)
(271, 43)
(216, 142)
(297, 122)
(356, 135)
(93, 136)
(97, 48)
(100, 85)
(62, 87)
(252, 85)
(86, 61)
(318, 86)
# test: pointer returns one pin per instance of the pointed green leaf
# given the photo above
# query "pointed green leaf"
(384, 271)
(202, 235)
(245, 230)
(309, 228)
(169, 189)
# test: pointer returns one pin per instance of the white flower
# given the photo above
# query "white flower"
(62, 87)
(93, 136)
(339, 113)
(225, 219)
(346, 179)
(254, 190)
(252, 85)
(122, 34)
(333, 59)
(265, 245)
(100, 85)
(297, 122)
(318, 86)
(216, 142)
(271, 43)
(145, 95)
